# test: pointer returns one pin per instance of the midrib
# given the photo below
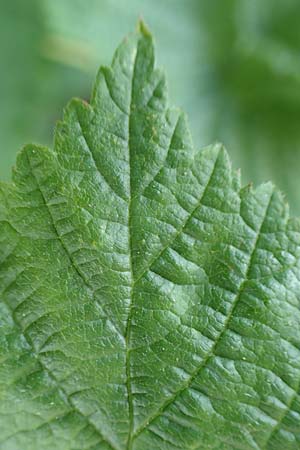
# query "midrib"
(130, 247)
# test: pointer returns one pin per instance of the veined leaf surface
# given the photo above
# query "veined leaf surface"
(147, 300)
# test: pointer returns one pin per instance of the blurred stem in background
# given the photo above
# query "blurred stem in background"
(232, 65)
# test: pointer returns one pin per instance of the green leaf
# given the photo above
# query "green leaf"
(147, 300)
(240, 82)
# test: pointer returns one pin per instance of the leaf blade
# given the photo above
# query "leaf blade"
(148, 283)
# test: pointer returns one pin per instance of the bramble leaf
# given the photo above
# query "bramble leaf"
(147, 300)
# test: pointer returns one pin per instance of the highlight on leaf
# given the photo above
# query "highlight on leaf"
(148, 301)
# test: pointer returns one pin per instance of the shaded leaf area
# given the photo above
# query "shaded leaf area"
(147, 300)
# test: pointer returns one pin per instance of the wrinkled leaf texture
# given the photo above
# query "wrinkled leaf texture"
(148, 302)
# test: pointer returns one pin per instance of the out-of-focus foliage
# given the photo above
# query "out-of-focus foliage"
(33, 89)
(234, 67)
(252, 84)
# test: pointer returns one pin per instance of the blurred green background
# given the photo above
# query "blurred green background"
(232, 65)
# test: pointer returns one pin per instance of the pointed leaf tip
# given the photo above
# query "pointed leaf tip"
(143, 28)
